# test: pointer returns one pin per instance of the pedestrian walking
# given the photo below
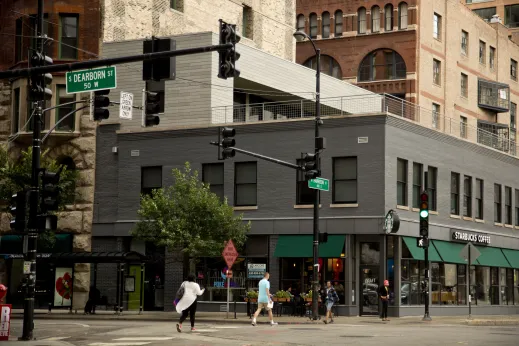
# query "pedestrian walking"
(264, 299)
(331, 299)
(187, 295)
(383, 292)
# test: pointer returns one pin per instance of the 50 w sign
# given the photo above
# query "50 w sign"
(91, 80)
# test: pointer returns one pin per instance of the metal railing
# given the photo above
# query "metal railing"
(358, 105)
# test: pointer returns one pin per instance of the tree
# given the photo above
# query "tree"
(188, 216)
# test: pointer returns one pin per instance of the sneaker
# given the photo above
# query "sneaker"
(325, 321)
(254, 322)
(193, 329)
(179, 328)
(331, 321)
(272, 323)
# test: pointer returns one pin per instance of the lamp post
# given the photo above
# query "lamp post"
(301, 35)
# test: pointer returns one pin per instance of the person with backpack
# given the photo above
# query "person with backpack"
(331, 299)
(186, 301)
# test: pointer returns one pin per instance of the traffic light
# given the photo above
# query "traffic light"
(18, 211)
(38, 90)
(100, 102)
(160, 68)
(310, 166)
(424, 214)
(323, 237)
(49, 191)
(228, 142)
(151, 109)
(227, 58)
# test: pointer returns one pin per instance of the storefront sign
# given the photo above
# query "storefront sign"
(5, 321)
(63, 287)
(470, 237)
(256, 270)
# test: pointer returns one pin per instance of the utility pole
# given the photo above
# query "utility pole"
(426, 316)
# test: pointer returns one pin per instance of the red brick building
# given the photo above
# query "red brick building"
(368, 43)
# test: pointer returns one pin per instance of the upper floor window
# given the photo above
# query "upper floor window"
(467, 196)
(437, 68)
(212, 174)
(375, 19)
(437, 26)
(513, 114)
(151, 179)
(463, 127)
(388, 16)
(177, 5)
(513, 69)
(301, 23)
(47, 48)
(492, 57)
(432, 181)
(508, 205)
(361, 20)
(338, 23)
(68, 123)
(304, 194)
(417, 183)
(313, 25)
(482, 52)
(485, 13)
(18, 40)
(245, 184)
(402, 16)
(479, 199)
(247, 22)
(401, 182)
(344, 180)
(497, 204)
(329, 66)
(455, 193)
(464, 42)
(436, 111)
(16, 111)
(382, 64)
(464, 85)
(68, 36)
(512, 16)
(325, 20)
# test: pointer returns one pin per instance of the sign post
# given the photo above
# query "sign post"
(469, 253)
(91, 80)
(229, 254)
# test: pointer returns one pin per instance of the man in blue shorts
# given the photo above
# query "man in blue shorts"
(264, 299)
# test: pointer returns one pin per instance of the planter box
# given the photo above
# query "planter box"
(252, 300)
(281, 299)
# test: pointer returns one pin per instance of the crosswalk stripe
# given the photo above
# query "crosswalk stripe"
(145, 338)
(225, 327)
(119, 343)
(57, 338)
(205, 330)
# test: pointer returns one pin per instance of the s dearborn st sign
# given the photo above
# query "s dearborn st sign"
(470, 237)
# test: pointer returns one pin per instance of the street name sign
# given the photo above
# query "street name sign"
(319, 184)
(230, 254)
(126, 106)
(91, 80)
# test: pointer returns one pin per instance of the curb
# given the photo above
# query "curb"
(492, 323)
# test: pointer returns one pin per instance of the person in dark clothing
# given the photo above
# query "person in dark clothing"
(383, 292)
(93, 298)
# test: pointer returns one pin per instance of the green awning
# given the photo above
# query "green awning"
(513, 257)
(450, 252)
(418, 253)
(492, 257)
(301, 246)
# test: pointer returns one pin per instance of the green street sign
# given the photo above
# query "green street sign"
(319, 184)
(91, 80)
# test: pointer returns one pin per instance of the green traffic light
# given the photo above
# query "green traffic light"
(424, 213)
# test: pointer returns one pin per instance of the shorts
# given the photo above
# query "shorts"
(329, 306)
(263, 306)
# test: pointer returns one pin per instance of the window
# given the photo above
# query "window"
(401, 179)
(338, 23)
(361, 20)
(33, 26)
(437, 26)
(245, 184)
(463, 127)
(447, 281)
(485, 13)
(67, 124)
(497, 203)
(482, 52)
(512, 16)
(479, 199)
(508, 205)
(484, 285)
(151, 179)
(301, 23)
(345, 180)
(417, 183)
(467, 196)
(455, 193)
(329, 66)
(177, 5)
(402, 16)
(516, 207)
(304, 194)
(16, 111)
(464, 85)
(388, 15)
(462, 284)
(18, 40)
(69, 37)
(247, 22)
(492, 57)
(513, 69)
(432, 180)
(513, 114)
(382, 64)
(507, 285)
(325, 20)
(212, 174)
(464, 42)
(437, 66)
(313, 25)
(375, 19)
(435, 115)
(493, 96)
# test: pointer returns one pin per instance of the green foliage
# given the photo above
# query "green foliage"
(188, 215)
(252, 294)
(15, 175)
(282, 294)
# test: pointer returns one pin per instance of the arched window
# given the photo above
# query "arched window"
(313, 25)
(329, 66)
(402, 16)
(325, 20)
(375, 19)
(388, 15)
(69, 195)
(300, 23)
(338, 23)
(382, 64)
(361, 20)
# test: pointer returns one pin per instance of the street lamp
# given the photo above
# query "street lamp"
(300, 36)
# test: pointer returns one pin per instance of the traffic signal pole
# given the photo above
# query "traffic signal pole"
(426, 316)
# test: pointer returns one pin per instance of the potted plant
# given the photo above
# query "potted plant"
(308, 297)
(252, 296)
(281, 296)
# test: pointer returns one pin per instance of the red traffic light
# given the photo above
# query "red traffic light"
(424, 197)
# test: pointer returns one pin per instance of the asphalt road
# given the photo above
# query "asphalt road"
(139, 333)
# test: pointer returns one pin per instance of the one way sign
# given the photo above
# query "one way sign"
(422, 242)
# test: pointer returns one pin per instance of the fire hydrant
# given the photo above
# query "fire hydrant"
(3, 292)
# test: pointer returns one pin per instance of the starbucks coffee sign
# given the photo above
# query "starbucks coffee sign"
(470, 237)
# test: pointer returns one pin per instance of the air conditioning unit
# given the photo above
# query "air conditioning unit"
(495, 19)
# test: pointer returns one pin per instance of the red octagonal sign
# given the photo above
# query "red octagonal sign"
(230, 254)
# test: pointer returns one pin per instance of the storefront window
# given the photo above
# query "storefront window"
(413, 272)
(444, 283)
(485, 285)
(291, 274)
(516, 286)
(462, 284)
(391, 268)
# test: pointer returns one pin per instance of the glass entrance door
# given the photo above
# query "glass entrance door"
(369, 288)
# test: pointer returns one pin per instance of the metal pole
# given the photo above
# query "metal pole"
(426, 316)
(141, 293)
(468, 278)
(28, 306)
(228, 293)
(315, 294)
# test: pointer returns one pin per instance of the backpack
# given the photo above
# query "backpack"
(180, 294)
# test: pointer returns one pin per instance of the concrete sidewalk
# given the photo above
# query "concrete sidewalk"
(241, 318)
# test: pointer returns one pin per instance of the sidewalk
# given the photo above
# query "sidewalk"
(220, 317)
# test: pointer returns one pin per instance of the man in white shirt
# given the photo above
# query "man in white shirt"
(264, 299)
